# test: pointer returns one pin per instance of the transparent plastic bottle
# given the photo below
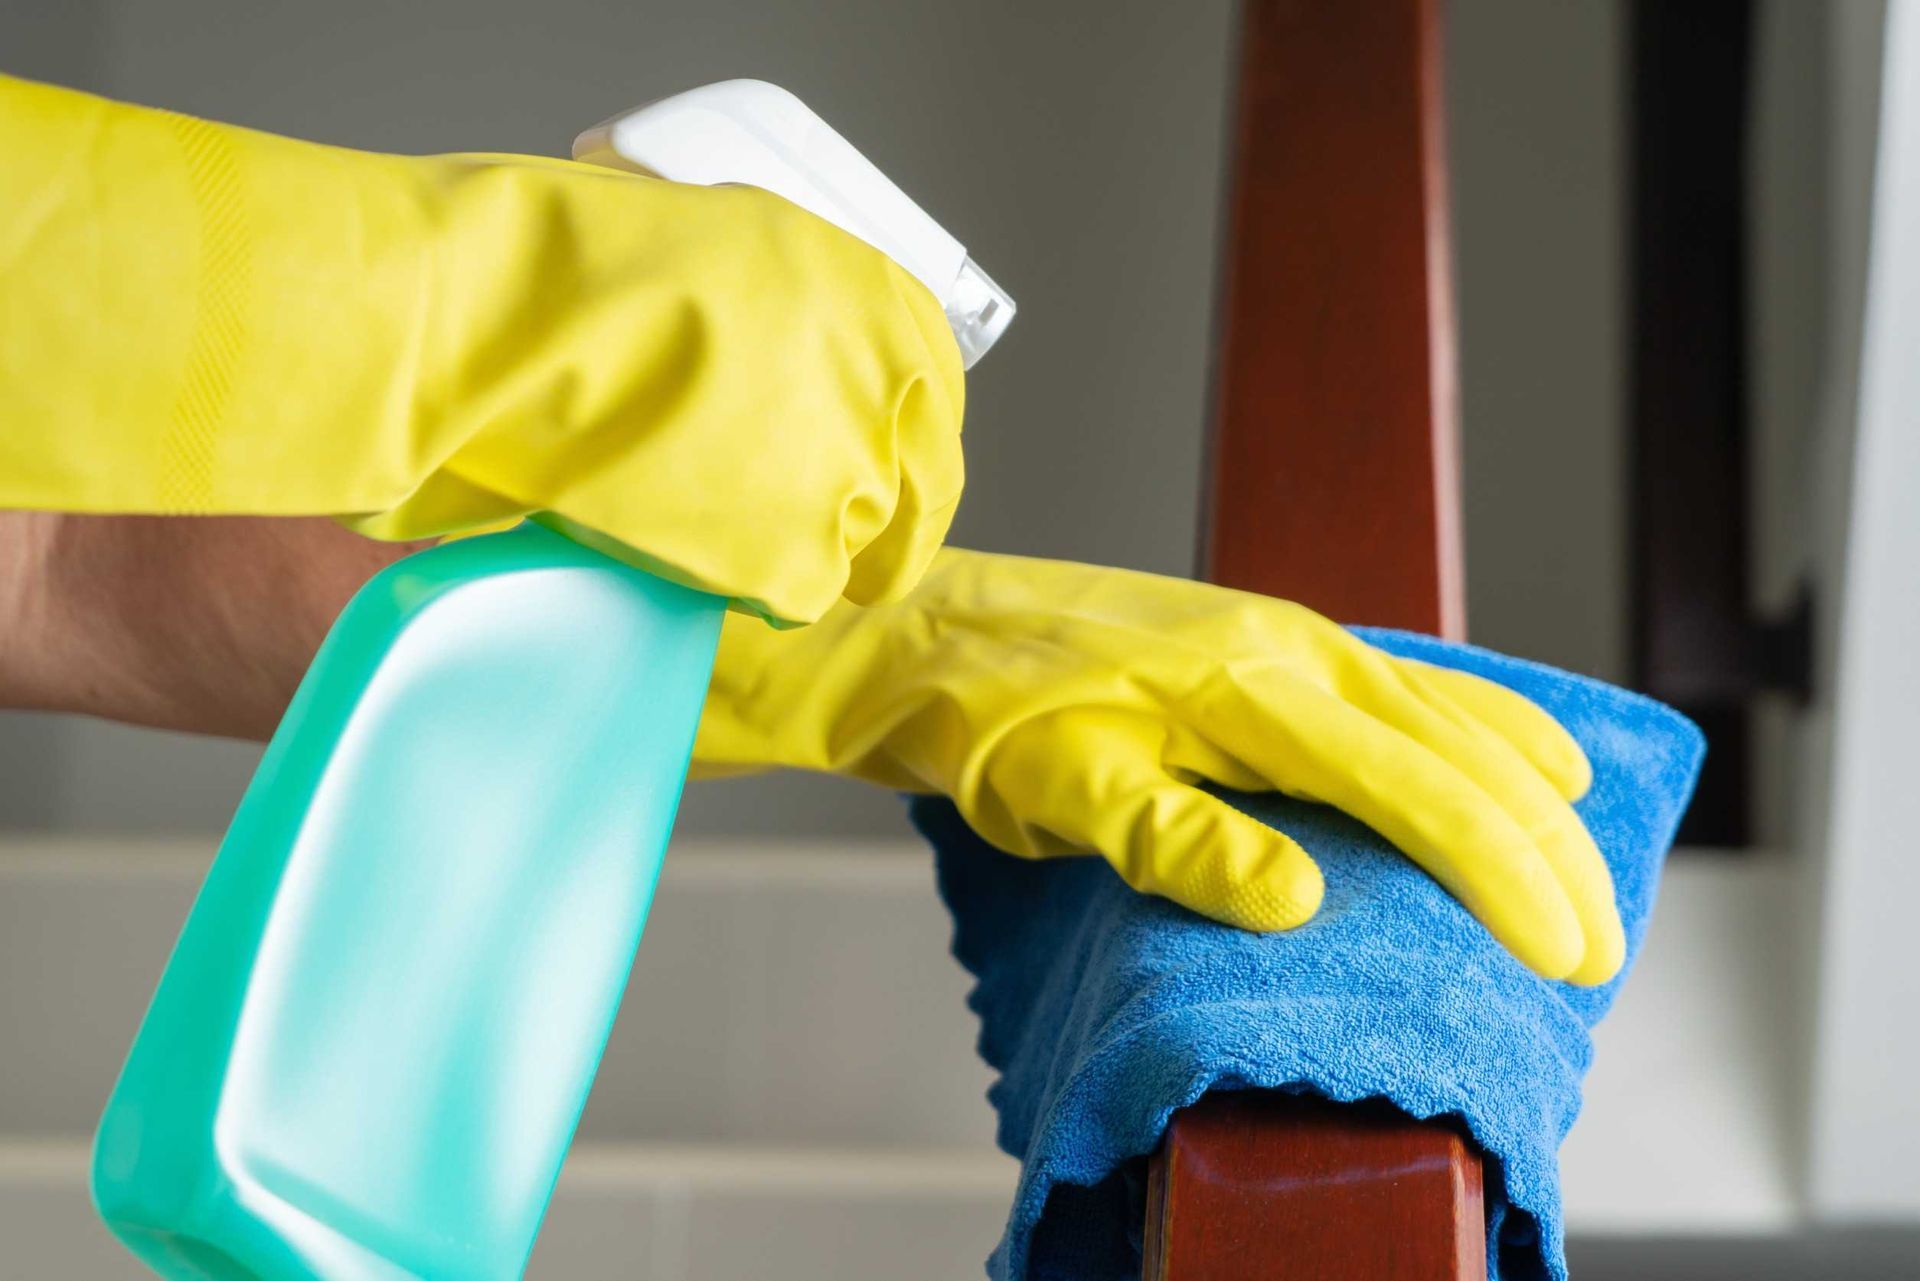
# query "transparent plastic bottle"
(375, 1035)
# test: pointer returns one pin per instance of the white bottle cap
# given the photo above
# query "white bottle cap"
(751, 132)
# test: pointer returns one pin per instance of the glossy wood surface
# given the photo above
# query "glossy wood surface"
(1264, 1186)
(1332, 479)
(1332, 463)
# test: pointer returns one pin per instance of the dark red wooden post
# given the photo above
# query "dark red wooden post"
(1332, 480)
(1332, 474)
(1254, 1187)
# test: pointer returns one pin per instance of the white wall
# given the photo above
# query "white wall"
(1865, 1111)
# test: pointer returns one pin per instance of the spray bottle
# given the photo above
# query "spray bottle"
(372, 1043)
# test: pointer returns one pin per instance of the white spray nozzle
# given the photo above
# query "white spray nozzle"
(751, 132)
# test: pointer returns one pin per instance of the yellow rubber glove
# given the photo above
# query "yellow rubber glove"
(1069, 709)
(196, 318)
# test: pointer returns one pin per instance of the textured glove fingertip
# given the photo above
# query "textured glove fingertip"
(1266, 909)
(1549, 952)
(1277, 888)
(1570, 772)
(1595, 973)
(1606, 953)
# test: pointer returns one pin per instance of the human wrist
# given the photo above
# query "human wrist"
(72, 638)
(24, 537)
(203, 624)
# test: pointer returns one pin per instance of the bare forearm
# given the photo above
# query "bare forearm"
(23, 606)
(194, 623)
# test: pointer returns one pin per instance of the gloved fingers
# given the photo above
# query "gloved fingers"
(932, 474)
(1497, 766)
(1090, 780)
(1515, 717)
(1312, 743)
(1190, 758)
(925, 428)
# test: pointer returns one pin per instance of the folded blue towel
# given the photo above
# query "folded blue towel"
(1104, 1010)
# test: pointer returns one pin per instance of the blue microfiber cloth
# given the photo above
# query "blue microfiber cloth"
(1104, 1010)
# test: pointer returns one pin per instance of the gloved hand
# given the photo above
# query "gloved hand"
(1068, 709)
(196, 318)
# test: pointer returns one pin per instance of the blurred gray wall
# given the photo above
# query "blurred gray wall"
(1536, 104)
(1076, 147)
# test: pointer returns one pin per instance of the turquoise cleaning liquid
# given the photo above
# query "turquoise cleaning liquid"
(370, 1048)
